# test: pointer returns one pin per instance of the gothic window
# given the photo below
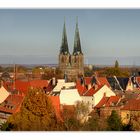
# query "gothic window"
(62, 60)
(75, 60)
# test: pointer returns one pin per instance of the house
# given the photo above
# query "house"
(9, 106)
(94, 95)
(118, 83)
(89, 81)
(22, 87)
(61, 84)
(92, 89)
(107, 104)
(85, 83)
(108, 101)
(135, 82)
(129, 86)
(132, 107)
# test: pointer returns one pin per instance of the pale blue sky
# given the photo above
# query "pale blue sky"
(34, 36)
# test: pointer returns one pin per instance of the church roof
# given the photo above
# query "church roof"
(77, 45)
(64, 46)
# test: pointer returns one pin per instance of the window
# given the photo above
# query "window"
(62, 60)
(75, 59)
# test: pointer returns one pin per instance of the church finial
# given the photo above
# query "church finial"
(77, 21)
(64, 19)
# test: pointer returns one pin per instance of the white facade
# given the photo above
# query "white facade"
(100, 93)
(96, 97)
(3, 94)
(63, 85)
(69, 97)
(129, 86)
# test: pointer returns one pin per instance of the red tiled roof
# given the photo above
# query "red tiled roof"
(133, 104)
(12, 104)
(56, 104)
(22, 86)
(102, 102)
(103, 81)
(107, 101)
(91, 91)
(39, 83)
(112, 99)
(87, 80)
(81, 88)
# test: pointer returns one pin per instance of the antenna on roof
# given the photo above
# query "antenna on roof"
(14, 84)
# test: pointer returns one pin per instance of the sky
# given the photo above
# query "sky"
(33, 36)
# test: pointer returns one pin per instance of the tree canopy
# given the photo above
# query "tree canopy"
(36, 114)
(114, 122)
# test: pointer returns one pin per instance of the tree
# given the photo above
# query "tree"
(116, 64)
(88, 72)
(135, 121)
(1, 69)
(74, 116)
(108, 72)
(51, 72)
(95, 123)
(70, 121)
(6, 126)
(114, 122)
(81, 111)
(36, 114)
(21, 69)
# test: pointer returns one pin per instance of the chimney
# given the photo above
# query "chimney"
(95, 86)
(1, 83)
(53, 81)
(15, 72)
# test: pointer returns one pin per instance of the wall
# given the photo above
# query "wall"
(69, 96)
(100, 93)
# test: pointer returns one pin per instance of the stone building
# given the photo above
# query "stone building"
(71, 65)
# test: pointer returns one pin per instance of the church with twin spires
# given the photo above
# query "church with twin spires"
(71, 65)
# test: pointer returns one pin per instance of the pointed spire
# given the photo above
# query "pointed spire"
(77, 44)
(64, 46)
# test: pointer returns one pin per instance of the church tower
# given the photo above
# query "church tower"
(77, 58)
(71, 65)
(64, 55)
